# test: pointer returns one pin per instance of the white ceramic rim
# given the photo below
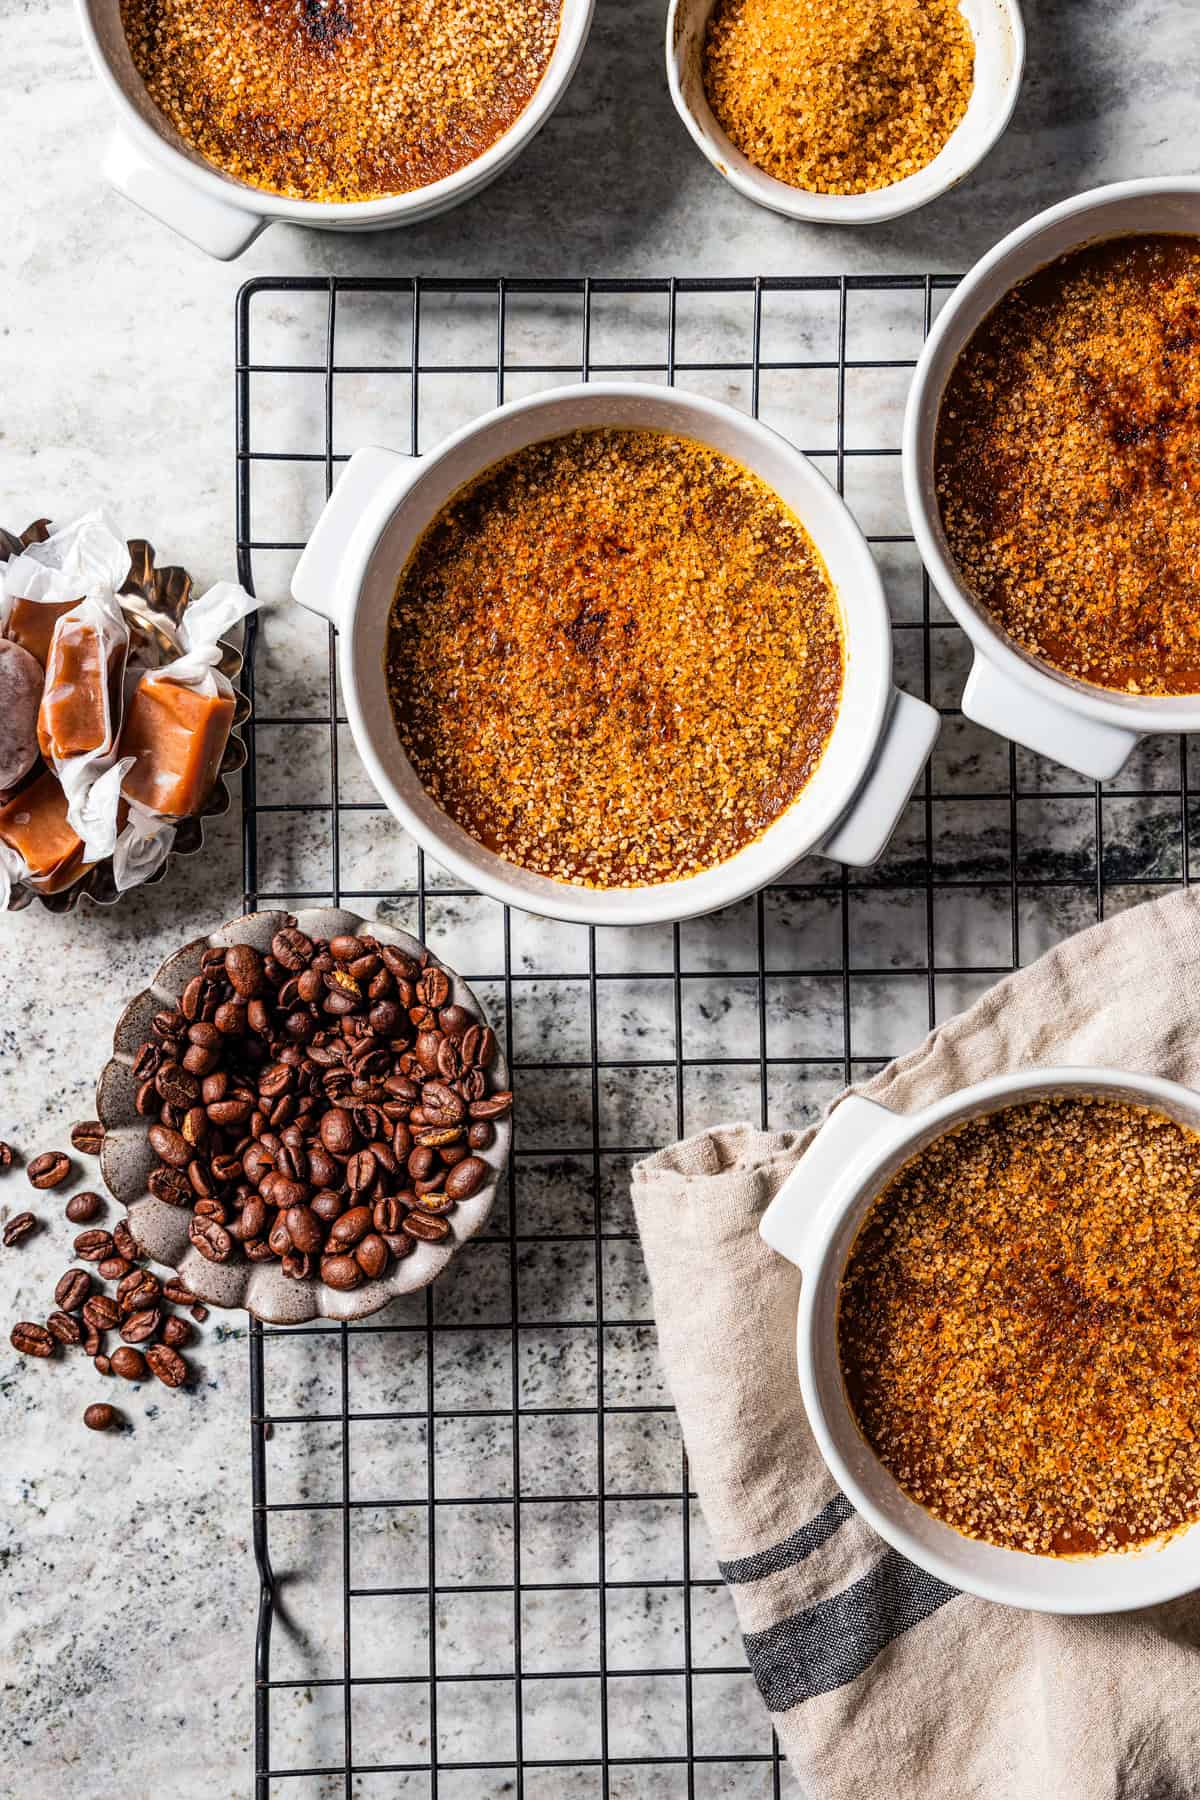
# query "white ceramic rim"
(1146, 1577)
(574, 27)
(976, 295)
(866, 695)
(947, 169)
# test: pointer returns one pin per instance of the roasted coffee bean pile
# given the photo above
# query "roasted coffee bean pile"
(323, 1106)
(139, 1311)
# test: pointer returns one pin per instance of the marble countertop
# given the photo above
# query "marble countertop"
(127, 1582)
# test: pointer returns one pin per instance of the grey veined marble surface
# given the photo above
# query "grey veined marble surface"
(126, 1574)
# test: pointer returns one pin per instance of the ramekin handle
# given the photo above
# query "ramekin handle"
(1014, 710)
(215, 226)
(854, 1126)
(316, 582)
(861, 835)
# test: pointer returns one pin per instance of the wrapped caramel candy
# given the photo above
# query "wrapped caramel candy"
(34, 829)
(177, 737)
(48, 579)
(178, 719)
(80, 711)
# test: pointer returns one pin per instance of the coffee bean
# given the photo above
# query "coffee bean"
(167, 1364)
(170, 1146)
(73, 1289)
(102, 1365)
(199, 1061)
(65, 1328)
(292, 949)
(87, 1136)
(176, 1332)
(139, 1289)
(387, 1214)
(399, 1243)
(113, 1268)
(434, 987)
(305, 1229)
(199, 1312)
(94, 1246)
(81, 1208)
(482, 1135)
(371, 1255)
(466, 1178)
(101, 1312)
(494, 1108)
(244, 968)
(129, 1363)
(127, 1245)
(211, 1240)
(140, 1327)
(430, 1198)
(337, 1131)
(425, 1227)
(18, 1228)
(31, 1340)
(341, 1272)
(178, 1291)
(49, 1170)
(230, 1019)
(7, 1156)
(177, 1086)
(170, 1186)
(421, 1162)
(353, 1225)
(100, 1417)
(361, 1171)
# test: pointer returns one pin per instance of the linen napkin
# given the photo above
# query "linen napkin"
(882, 1681)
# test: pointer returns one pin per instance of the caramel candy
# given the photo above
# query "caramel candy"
(178, 737)
(34, 824)
(73, 720)
(31, 624)
(20, 696)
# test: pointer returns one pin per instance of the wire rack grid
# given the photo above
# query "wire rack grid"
(490, 1573)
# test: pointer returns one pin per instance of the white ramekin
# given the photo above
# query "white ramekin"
(1089, 729)
(999, 33)
(148, 162)
(881, 739)
(813, 1221)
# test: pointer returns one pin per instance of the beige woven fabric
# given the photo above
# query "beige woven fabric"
(884, 1684)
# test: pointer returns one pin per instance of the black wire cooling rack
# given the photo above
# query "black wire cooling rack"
(490, 1574)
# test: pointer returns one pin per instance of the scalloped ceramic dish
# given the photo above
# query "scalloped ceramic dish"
(126, 1158)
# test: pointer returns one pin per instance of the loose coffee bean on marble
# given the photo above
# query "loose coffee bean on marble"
(49, 1170)
(65, 1327)
(91, 1340)
(126, 1244)
(87, 1136)
(140, 1327)
(18, 1228)
(129, 1363)
(101, 1312)
(167, 1364)
(31, 1339)
(82, 1208)
(8, 1156)
(102, 1364)
(100, 1417)
(176, 1332)
(73, 1289)
(94, 1246)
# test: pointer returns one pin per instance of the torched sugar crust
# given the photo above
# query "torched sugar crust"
(1067, 464)
(341, 100)
(615, 658)
(1019, 1327)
